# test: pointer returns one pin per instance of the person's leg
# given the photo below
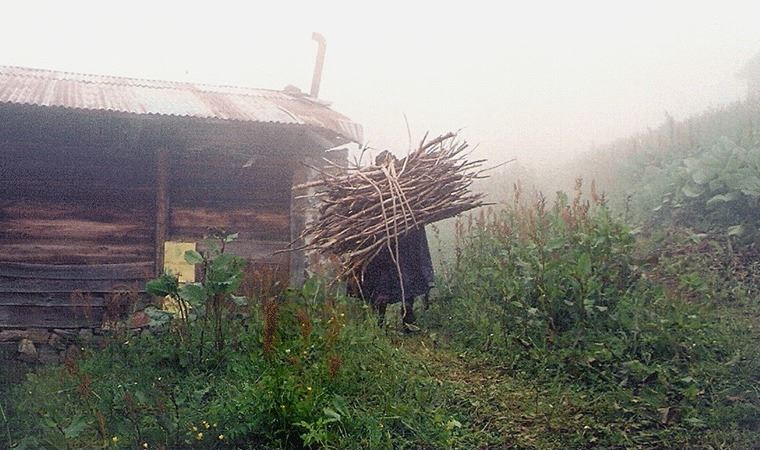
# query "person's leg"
(407, 312)
(381, 304)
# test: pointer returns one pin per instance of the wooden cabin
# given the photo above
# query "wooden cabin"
(98, 174)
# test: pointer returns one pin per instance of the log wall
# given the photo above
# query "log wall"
(81, 215)
(74, 206)
(76, 224)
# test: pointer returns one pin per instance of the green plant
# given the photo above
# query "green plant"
(330, 379)
(547, 271)
(555, 296)
(715, 189)
(209, 301)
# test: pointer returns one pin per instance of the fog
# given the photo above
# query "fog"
(539, 81)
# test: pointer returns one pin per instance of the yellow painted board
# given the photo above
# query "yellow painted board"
(174, 260)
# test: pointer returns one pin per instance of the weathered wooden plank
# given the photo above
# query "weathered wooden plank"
(63, 167)
(266, 225)
(203, 170)
(52, 299)
(73, 229)
(85, 195)
(125, 271)
(49, 317)
(215, 197)
(52, 232)
(245, 218)
(36, 285)
(102, 190)
(57, 208)
(67, 253)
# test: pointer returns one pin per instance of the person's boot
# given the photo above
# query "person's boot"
(408, 319)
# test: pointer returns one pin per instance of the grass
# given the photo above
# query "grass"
(549, 334)
(436, 394)
(670, 361)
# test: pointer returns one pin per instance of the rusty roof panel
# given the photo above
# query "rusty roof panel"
(131, 95)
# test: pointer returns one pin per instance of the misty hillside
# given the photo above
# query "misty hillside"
(700, 171)
(707, 161)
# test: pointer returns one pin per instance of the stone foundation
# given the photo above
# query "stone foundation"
(47, 346)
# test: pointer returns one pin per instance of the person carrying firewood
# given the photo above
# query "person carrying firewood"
(372, 218)
(382, 283)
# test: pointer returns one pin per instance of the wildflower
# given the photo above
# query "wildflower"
(199, 436)
(145, 445)
(214, 425)
(221, 437)
(308, 388)
(194, 429)
(115, 439)
(205, 425)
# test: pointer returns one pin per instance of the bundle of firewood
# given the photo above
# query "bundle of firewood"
(366, 209)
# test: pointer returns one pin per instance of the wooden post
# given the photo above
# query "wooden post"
(298, 213)
(162, 205)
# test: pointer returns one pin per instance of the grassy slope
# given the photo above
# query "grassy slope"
(487, 407)
(498, 410)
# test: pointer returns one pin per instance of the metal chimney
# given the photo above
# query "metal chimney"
(316, 79)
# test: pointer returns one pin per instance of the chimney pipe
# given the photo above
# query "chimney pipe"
(316, 79)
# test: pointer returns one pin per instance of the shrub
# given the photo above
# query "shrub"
(712, 189)
(555, 295)
(329, 379)
(544, 272)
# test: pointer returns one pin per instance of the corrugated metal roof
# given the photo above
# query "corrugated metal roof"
(39, 87)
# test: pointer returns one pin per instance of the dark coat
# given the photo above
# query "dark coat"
(381, 276)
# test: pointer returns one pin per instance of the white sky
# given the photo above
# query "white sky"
(533, 79)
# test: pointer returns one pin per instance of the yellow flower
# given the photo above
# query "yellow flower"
(145, 445)
(199, 436)
(115, 439)
(205, 424)
(221, 437)
(195, 429)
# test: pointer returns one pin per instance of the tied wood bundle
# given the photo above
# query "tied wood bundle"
(366, 209)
